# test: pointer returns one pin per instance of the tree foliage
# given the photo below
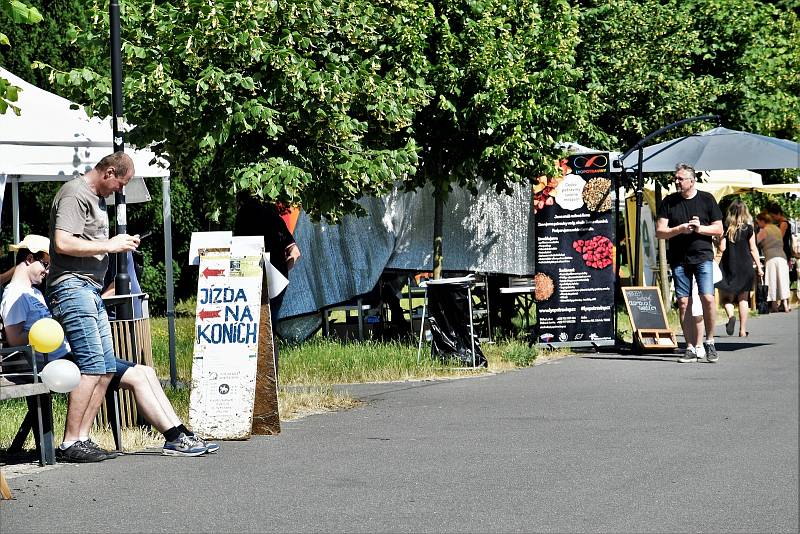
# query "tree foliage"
(637, 64)
(648, 64)
(16, 12)
(319, 102)
(503, 75)
(753, 51)
(305, 101)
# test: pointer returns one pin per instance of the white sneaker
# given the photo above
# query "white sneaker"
(701, 352)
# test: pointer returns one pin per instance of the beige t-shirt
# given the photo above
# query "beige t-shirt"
(772, 244)
(79, 211)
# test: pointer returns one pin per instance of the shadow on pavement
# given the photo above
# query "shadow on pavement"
(722, 346)
(636, 358)
(627, 354)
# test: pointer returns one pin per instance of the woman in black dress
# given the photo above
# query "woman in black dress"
(739, 254)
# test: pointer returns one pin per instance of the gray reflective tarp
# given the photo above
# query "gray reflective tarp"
(489, 232)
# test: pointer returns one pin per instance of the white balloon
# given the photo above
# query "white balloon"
(61, 376)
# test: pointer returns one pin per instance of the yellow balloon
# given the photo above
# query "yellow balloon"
(46, 335)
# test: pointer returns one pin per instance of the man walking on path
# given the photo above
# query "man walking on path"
(79, 249)
(689, 219)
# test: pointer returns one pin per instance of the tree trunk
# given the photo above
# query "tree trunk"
(438, 226)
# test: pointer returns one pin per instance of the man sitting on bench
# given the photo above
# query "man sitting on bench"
(23, 304)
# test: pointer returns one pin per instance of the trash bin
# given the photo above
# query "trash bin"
(133, 343)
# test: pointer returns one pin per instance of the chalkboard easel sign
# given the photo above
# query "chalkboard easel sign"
(648, 318)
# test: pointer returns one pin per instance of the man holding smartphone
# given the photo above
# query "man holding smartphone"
(79, 250)
(690, 219)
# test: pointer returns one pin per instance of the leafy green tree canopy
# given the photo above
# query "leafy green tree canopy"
(503, 75)
(302, 101)
(648, 64)
(18, 13)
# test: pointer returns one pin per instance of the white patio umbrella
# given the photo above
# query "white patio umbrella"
(719, 149)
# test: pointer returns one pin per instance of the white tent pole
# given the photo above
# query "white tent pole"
(15, 208)
(165, 193)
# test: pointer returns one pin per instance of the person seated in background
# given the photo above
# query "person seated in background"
(23, 304)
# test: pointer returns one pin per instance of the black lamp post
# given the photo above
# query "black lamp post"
(640, 179)
(122, 281)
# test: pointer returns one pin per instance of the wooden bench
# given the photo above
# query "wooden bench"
(40, 405)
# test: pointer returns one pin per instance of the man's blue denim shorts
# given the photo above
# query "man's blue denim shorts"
(702, 272)
(122, 366)
(78, 306)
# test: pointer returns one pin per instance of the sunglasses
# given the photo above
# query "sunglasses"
(45, 264)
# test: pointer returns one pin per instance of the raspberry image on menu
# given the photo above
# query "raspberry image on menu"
(596, 252)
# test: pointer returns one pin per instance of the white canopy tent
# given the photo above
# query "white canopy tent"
(53, 140)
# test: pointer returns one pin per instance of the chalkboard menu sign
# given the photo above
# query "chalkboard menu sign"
(648, 318)
(574, 280)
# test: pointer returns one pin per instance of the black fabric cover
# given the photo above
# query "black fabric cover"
(448, 316)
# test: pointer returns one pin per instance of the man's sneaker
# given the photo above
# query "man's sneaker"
(209, 445)
(183, 446)
(94, 446)
(78, 452)
(711, 352)
(690, 356)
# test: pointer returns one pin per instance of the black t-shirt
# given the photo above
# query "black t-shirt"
(690, 248)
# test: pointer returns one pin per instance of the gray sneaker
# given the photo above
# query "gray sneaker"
(183, 446)
(711, 352)
(690, 356)
(210, 446)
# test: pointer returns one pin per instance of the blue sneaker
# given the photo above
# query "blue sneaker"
(183, 446)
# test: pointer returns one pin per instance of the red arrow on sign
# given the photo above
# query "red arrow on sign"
(207, 314)
(213, 272)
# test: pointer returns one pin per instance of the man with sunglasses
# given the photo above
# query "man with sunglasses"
(79, 249)
(689, 219)
(32, 256)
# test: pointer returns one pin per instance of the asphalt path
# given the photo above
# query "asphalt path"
(592, 443)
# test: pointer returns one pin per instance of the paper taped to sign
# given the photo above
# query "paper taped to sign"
(275, 280)
(201, 240)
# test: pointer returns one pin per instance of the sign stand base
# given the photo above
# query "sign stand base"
(657, 339)
(265, 406)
